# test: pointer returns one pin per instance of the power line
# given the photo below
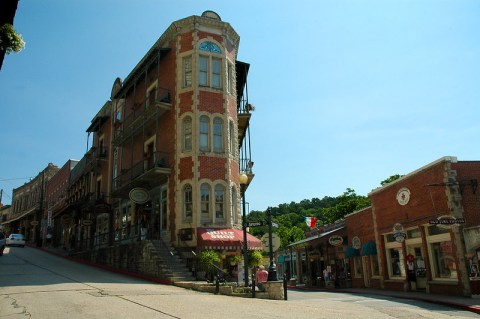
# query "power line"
(15, 178)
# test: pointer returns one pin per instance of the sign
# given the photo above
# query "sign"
(34, 223)
(398, 233)
(255, 224)
(275, 242)
(356, 243)
(139, 195)
(274, 224)
(446, 221)
(87, 222)
(66, 219)
(335, 240)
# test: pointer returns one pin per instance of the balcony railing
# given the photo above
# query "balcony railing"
(146, 170)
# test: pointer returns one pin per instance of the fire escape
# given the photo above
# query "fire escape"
(244, 109)
(136, 122)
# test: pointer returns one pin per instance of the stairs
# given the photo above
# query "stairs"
(172, 266)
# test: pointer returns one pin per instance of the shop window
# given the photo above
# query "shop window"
(395, 260)
(357, 267)
(414, 233)
(444, 265)
(375, 265)
(437, 230)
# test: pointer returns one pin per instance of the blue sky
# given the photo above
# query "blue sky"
(347, 93)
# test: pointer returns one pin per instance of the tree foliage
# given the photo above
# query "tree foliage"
(291, 217)
(10, 40)
(391, 179)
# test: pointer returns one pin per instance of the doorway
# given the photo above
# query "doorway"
(418, 253)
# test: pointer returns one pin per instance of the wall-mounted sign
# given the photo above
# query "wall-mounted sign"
(66, 219)
(34, 223)
(403, 196)
(446, 221)
(356, 243)
(398, 233)
(87, 222)
(139, 195)
(335, 240)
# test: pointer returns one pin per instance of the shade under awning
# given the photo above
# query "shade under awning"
(226, 238)
(369, 248)
(351, 252)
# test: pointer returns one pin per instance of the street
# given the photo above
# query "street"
(36, 284)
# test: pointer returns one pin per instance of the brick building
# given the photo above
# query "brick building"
(425, 227)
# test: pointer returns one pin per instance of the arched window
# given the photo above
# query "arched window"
(187, 134)
(219, 202)
(233, 202)
(204, 133)
(209, 66)
(217, 135)
(187, 202)
(205, 202)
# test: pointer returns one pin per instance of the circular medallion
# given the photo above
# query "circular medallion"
(356, 243)
(403, 196)
(139, 195)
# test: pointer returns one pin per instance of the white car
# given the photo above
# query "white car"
(16, 240)
(2, 242)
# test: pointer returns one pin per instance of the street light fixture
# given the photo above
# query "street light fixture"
(243, 179)
(272, 270)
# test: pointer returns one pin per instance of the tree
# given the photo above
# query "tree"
(10, 40)
(391, 179)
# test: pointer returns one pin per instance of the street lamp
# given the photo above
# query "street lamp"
(243, 179)
(272, 270)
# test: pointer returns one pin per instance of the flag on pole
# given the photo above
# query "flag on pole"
(311, 221)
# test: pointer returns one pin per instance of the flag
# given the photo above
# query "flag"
(311, 221)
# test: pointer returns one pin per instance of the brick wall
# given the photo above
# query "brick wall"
(467, 173)
(213, 168)
(210, 102)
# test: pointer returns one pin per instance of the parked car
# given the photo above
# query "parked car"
(16, 240)
(3, 242)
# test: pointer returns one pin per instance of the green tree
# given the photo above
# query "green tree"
(10, 40)
(391, 179)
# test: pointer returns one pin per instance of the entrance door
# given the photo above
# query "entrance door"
(366, 272)
(419, 263)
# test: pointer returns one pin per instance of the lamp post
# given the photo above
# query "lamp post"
(272, 270)
(243, 179)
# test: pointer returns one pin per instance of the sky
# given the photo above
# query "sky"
(347, 93)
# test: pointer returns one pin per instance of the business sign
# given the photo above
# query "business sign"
(87, 222)
(356, 243)
(335, 240)
(398, 233)
(446, 221)
(139, 195)
(34, 223)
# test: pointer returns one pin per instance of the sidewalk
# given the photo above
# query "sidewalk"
(469, 304)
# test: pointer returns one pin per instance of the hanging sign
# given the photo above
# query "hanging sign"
(398, 233)
(356, 243)
(139, 195)
(335, 240)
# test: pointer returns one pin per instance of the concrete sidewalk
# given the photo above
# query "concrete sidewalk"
(469, 304)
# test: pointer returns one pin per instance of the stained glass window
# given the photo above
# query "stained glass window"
(210, 47)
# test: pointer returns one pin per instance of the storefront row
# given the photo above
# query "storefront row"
(421, 233)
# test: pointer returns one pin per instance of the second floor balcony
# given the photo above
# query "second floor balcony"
(149, 172)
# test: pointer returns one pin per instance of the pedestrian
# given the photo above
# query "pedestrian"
(261, 276)
(49, 239)
(326, 275)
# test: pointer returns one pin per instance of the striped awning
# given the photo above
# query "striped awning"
(226, 239)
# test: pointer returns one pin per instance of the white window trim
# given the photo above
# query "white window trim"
(437, 239)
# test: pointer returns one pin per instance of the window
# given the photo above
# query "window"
(203, 71)
(187, 202)
(395, 262)
(444, 265)
(218, 135)
(187, 71)
(234, 204)
(219, 201)
(357, 264)
(231, 144)
(151, 95)
(187, 134)
(210, 67)
(205, 201)
(375, 265)
(230, 78)
(204, 133)
(216, 72)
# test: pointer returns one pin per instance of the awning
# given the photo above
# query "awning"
(369, 248)
(351, 252)
(226, 238)
(306, 240)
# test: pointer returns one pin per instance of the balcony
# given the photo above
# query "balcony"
(155, 105)
(149, 172)
(95, 157)
(244, 115)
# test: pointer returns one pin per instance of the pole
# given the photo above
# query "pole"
(272, 270)
(245, 248)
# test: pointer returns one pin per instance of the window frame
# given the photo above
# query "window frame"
(205, 196)
(438, 239)
(217, 132)
(187, 134)
(187, 80)
(187, 202)
(220, 204)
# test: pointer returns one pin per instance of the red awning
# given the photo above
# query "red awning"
(226, 238)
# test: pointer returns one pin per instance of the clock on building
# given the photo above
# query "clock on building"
(403, 196)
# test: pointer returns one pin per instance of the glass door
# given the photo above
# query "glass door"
(419, 266)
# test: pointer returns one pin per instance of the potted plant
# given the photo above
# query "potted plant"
(233, 260)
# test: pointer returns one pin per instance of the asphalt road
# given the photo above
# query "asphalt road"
(36, 284)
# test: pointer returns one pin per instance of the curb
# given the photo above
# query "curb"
(471, 308)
